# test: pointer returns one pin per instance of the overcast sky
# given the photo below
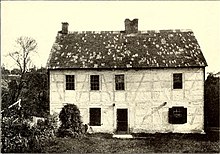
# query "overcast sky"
(41, 21)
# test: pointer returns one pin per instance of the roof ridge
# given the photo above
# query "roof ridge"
(139, 32)
(82, 32)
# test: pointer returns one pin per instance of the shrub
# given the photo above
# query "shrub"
(16, 135)
(19, 136)
(71, 124)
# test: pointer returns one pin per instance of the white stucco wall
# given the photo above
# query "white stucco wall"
(145, 91)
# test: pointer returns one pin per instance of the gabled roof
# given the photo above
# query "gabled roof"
(117, 49)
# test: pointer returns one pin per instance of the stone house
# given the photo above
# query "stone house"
(130, 81)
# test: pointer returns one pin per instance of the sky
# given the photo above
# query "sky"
(41, 20)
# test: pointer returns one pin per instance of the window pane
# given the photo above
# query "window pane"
(119, 82)
(95, 116)
(94, 82)
(70, 82)
(177, 81)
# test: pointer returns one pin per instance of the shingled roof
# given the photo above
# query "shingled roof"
(125, 49)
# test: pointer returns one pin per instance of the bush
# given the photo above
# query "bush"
(46, 130)
(19, 136)
(71, 124)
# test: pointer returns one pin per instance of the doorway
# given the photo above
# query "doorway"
(122, 121)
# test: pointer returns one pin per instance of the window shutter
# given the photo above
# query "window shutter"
(170, 118)
(177, 115)
(184, 115)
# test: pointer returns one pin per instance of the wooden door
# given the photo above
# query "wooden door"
(122, 120)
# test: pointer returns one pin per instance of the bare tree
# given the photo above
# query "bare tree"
(25, 47)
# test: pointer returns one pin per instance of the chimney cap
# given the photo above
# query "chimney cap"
(135, 19)
(65, 23)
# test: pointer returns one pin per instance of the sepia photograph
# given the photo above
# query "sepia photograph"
(110, 76)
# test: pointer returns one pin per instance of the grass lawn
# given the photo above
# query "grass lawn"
(103, 143)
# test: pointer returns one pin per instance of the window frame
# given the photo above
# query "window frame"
(99, 84)
(180, 117)
(175, 85)
(92, 121)
(71, 83)
(123, 83)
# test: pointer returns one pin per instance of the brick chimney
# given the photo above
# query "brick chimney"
(64, 28)
(131, 26)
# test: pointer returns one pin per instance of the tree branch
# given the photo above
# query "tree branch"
(27, 45)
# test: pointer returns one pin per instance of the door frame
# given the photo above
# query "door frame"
(128, 118)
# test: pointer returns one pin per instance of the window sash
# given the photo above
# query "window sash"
(119, 82)
(70, 82)
(177, 81)
(94, 82)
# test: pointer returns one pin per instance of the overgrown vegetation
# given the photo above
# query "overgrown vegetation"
(212, 105)
(20, 135)
(71, 124)
(30, 85)
(25, 46)
(25, 82)
(34, 94)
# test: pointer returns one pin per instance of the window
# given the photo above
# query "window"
(119, 82)
(70, 82)
(177, 115)
(94, 82)
(177, 81)
(95, 116)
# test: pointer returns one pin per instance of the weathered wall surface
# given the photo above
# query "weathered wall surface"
(144, 96)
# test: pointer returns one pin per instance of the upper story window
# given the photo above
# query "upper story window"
(70, 82)
(94, 82)
(119, 82)
(177, 81)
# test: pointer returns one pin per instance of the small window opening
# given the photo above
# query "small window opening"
(70, 82)
(94, 82)
(119, 82)
(177, 81)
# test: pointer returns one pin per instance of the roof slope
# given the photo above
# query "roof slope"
(115, 49)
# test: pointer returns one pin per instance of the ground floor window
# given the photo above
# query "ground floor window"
(177, 115)
(95, 116)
